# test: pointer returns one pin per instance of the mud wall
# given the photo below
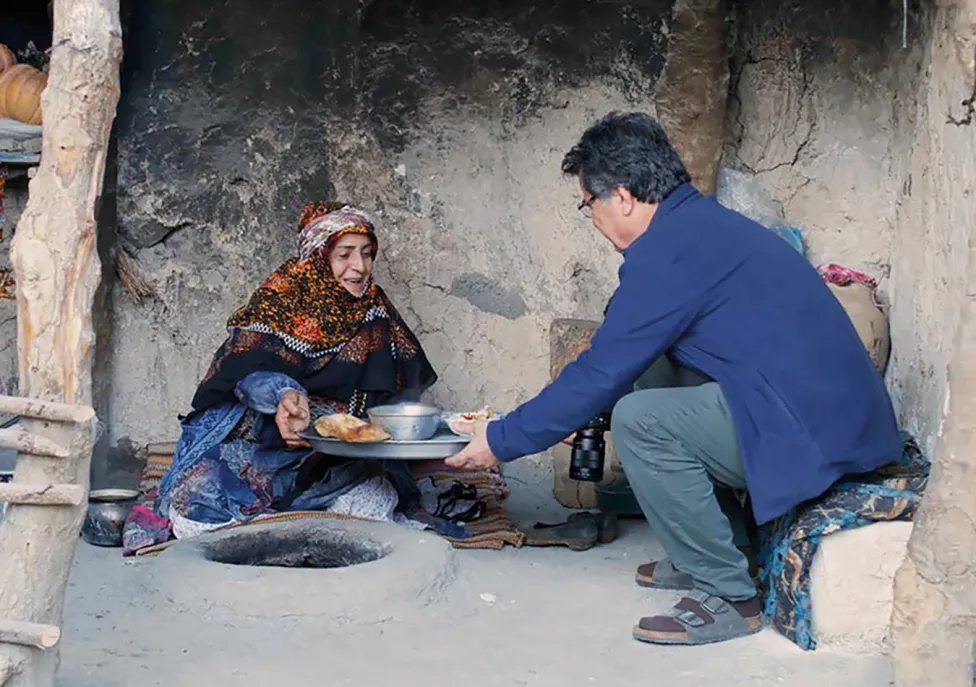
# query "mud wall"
(931, 278)
(812, 113)
(843, 113)
(447, 121)
(935, 287)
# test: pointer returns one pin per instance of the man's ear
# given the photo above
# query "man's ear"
(627, 201)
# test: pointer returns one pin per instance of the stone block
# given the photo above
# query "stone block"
(851, 586)
(567, 339)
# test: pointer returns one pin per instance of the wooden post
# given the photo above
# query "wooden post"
(692, 92)
(57, 271)
(933, 627)
(933, 620)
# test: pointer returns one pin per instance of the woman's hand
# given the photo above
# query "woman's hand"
(292, 417)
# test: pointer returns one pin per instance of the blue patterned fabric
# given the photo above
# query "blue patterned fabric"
(231, 464)
(203, 432)
(789, 543)
(199, 434)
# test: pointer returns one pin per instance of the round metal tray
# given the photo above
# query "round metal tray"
(444, 444)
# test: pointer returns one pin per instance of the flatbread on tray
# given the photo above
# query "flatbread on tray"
(350, 429)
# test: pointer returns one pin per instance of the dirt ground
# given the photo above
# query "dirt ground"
(512, 617)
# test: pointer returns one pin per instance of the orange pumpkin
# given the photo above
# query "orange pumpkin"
(7, 58)
(20, 93)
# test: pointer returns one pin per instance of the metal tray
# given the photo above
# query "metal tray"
(444, 444)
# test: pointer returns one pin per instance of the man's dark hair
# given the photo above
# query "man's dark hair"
(629, 150)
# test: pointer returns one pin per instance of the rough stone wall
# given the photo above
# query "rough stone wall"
(935, 590)
(812, 114)
(485, 246)
(936, 222)
(220, 139)
(825, 110)
(447, 121)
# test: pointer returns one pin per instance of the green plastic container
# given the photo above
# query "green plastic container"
(617, 497)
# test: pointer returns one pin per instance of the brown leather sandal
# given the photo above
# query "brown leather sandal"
(663, 575)
(700, 618)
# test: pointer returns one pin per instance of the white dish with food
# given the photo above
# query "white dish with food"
(462, 424)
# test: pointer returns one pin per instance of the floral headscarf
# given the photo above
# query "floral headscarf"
(353, 351)
(321, 225)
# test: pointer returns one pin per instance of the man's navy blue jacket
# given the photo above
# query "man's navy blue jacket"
(723, 295)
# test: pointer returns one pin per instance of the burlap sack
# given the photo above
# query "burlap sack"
(869, 320)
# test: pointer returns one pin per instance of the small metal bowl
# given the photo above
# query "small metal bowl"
(105, 518)
(407, 421)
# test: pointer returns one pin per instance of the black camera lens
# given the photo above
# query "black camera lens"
(589, 450)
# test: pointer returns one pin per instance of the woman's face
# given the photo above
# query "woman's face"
(352, 262)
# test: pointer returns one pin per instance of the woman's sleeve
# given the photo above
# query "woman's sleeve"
(261, 391)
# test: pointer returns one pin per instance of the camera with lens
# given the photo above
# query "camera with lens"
(590, 450)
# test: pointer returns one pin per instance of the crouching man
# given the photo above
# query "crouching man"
(782, 399)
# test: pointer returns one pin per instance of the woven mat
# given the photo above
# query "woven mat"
(159, 461)
(494, 530)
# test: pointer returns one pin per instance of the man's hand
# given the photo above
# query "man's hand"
(292, 417)
(569, 440)
(476, 455)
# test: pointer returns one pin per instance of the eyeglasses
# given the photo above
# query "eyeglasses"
(586, 206)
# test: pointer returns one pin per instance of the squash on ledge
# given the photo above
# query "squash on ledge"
(7, 58)
(20, 93)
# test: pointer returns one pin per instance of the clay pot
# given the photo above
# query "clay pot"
(7, 58)
(871, 323)
(20, 93)
(105, 518)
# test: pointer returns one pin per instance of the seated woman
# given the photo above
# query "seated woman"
(318, 335)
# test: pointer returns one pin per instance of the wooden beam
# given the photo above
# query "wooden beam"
(45, 410)
(57, 269)
(42, 494)
(933, 619)
(692, 92)
(29, 634)
(22, 441)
